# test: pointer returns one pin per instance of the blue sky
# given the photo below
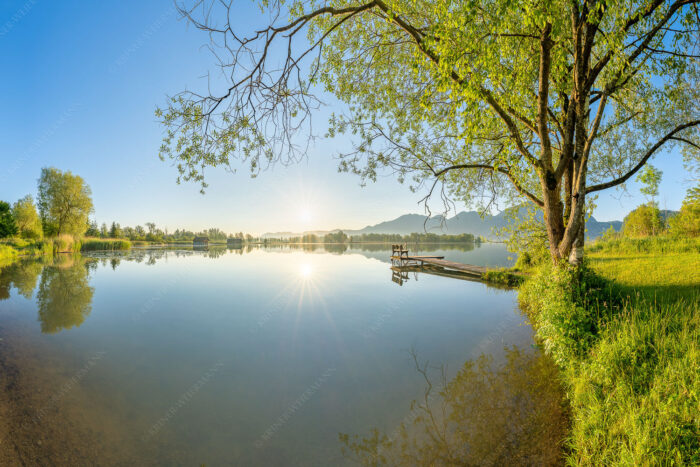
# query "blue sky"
(81, 81)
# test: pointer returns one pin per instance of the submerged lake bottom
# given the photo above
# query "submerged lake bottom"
(269, 356)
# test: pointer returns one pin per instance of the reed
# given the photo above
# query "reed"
(104, 244)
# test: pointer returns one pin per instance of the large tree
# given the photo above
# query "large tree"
(65, 202)
(547, 101)
(28, 222)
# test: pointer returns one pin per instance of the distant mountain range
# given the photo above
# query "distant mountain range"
(464, 222)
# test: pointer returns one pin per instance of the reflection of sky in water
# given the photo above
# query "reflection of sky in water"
(252, 345)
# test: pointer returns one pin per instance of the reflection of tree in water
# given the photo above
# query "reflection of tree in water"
(513, 414)
(216, 252)
(336, 248)
(64, 297)
(238, 250)
(150, 256)
(22, 275)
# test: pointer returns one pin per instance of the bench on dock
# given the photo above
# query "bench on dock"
(400, 250)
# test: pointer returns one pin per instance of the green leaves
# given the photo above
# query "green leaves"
(446, 95)
(64, 201)
(650, 178)
(8, 226)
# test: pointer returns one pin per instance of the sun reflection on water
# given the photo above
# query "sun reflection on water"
(306, 270)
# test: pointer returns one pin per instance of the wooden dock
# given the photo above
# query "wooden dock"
(441, 262)
(401, 258)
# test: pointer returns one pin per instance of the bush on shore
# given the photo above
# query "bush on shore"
(7, 254)
(566, 306)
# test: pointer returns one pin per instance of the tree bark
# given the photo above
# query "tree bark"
(553, 210)
(576, 255)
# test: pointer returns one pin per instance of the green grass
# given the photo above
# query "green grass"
(626, 333)
(664, 269)
(636, 397)
(652, 245)
(23, 248)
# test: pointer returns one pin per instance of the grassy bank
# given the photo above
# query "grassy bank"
(626, 332)
(14, 248)
(505, 276)
(29, 248)
(7, 254)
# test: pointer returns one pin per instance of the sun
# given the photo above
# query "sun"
(306, 215)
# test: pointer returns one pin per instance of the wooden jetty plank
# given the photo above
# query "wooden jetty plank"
(457, 266)
(438, 265)
(416, 258)
(441, 262)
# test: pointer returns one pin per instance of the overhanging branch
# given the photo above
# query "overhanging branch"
(507, 173)
(668, 137)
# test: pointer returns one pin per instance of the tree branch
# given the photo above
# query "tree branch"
(669, 136)
(543, 96)
(503, 171)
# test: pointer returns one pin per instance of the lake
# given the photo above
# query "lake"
(254, 356)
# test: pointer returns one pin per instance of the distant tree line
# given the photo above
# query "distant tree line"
(342, 238)
(64, 206)
(416, 238)
(152, 233)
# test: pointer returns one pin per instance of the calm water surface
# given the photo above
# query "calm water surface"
(234, 357)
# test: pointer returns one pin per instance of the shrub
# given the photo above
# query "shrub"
(8, 227)
(687, 221)
(526, 236)
(7, 253)
(504, 277)
(564, 305)
(46, 247)
(28, 222)
(65, 244)
(644, 221)
(154, 238)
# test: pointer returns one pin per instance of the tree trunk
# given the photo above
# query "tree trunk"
(576, 255)
(553, 211)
